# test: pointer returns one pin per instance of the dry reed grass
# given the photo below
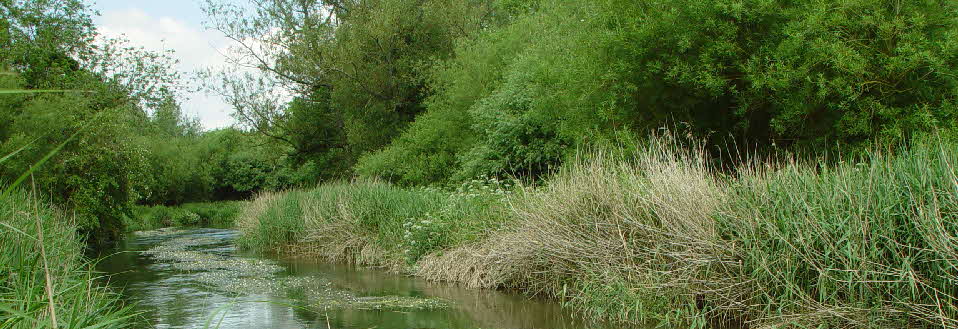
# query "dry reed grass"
(646, 217)
(656, 235)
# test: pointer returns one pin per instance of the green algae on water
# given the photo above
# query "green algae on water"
(239, 276)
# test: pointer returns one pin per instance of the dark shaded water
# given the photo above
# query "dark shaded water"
(196, 278)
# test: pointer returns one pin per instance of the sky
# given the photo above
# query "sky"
(172, 25)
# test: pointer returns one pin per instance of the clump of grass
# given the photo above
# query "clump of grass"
(610, 217)
(77, 300)
(367, 222)
(657, 236)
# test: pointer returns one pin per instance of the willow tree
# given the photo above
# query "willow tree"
(360, 67)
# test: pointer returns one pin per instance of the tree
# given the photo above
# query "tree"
(107, 93)
(366, 60)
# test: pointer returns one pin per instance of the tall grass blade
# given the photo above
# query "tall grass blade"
(111, 321)
(39, 163)
(8, 156)
(19, 231)
(43, 255)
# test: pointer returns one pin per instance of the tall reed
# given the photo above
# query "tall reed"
(655, 235)
(30, 293)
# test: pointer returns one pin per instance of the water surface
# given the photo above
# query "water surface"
(195, 278)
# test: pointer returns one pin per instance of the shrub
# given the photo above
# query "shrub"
(807, 75)
(507, 103)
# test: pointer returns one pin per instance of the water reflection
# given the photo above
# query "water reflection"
(301, 294)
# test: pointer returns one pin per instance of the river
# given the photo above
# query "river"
(197, 278)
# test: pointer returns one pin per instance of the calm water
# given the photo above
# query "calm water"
(197, 277)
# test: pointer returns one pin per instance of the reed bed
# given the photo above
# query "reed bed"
(55, 287)
(655, 235)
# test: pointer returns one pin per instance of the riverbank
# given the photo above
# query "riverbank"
(45, 281)
(218, 214)
(655, 235)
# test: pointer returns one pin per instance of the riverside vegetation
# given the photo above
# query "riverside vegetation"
(655, 235)
(219, 214)
(808, 180)
(55, 287)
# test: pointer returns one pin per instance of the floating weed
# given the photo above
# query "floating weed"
(158, 232)
(387, 303)
(243, 276)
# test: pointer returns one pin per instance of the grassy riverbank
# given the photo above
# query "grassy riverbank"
(220, 214)
(44, 279)
(655, 235)
(371, 222)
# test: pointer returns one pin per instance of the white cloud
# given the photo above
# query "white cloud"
(194, 47)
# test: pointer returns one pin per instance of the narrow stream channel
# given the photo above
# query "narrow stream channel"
(196, 278)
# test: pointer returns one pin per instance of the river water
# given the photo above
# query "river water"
(197, 278)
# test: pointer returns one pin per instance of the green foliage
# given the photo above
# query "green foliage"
(224, 164)
(468, 214)
(215, 214)
(317, 135)
(359, 73)
(517, 98)
(98, 173)
(244, 163)
(815, 74)
(128, 141)
(512, 102)
(428, 151)
(107, 92)
(207, 214)
(383, 50)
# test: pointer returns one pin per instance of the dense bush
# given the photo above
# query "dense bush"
(816, 74)
(806, 75)
(99, 174)
(81, 93)
(501, 103)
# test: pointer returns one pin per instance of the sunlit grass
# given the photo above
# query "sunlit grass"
(654, 235)
(368, 221)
